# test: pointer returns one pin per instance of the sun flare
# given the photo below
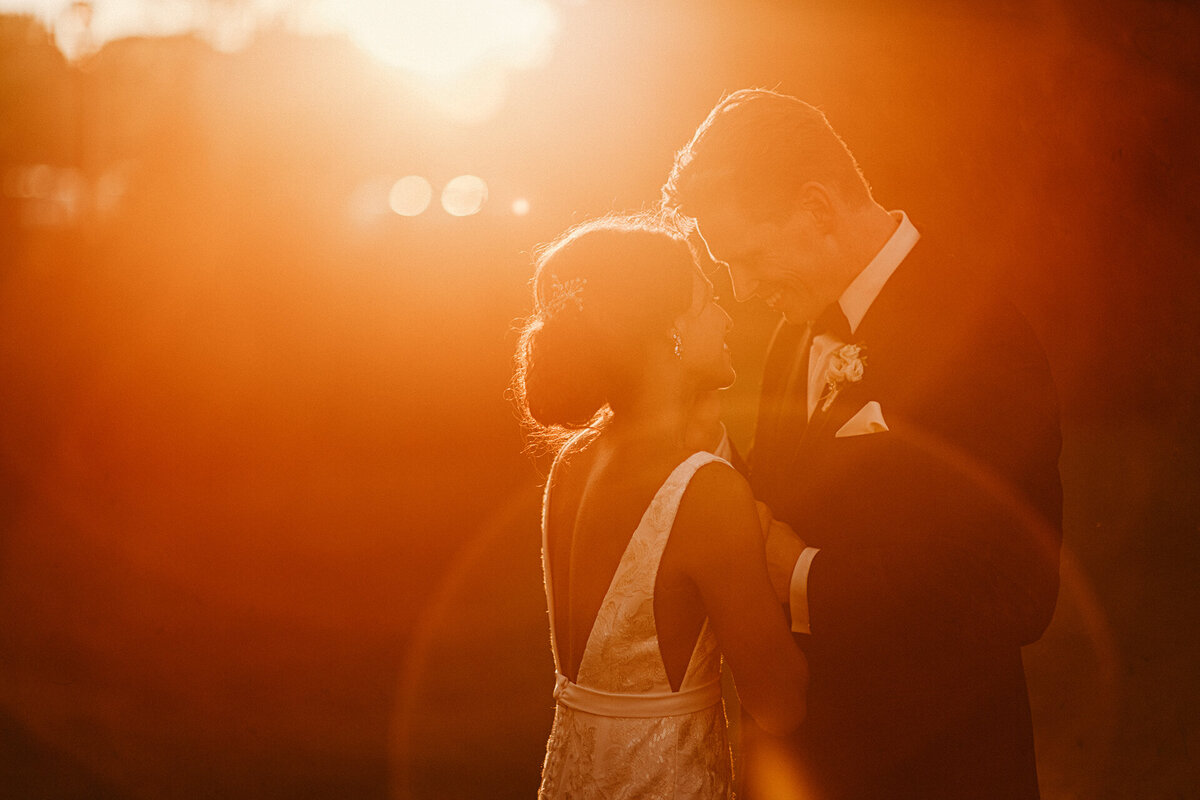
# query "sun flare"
(443, 40)
(448, 39)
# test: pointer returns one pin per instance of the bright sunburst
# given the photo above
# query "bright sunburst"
(443, 39)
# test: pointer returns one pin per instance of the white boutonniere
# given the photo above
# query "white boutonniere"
(846, 365)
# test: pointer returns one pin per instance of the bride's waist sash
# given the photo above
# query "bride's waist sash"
(650, 704)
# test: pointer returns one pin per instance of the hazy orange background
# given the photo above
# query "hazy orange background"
(266, 529)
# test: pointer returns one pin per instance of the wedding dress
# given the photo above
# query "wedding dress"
(619, 731)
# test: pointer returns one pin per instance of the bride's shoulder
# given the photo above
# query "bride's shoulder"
(717, 499)
(716, 522)
(717, 470)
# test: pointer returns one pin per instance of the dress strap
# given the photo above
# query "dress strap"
(659, 519)
(650, 704)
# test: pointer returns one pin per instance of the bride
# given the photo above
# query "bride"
(651, 547)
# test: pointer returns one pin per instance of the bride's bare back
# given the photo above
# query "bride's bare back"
(712, 567)
(597, 501)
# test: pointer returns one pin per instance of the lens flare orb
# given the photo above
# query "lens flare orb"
(464, 196)
(410, 196)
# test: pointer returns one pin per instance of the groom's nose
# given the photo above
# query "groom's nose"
(744, 285)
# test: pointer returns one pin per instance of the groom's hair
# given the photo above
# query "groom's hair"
(755, 149)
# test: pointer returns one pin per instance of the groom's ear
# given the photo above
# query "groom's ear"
(817, 202)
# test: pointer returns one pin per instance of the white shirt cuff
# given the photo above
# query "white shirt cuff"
(798, 591)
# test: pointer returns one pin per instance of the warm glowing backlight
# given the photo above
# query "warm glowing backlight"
(464, 195)
(410, 196)
(436, 38)
(445, 39)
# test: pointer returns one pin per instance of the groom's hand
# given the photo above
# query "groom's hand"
(783, 550)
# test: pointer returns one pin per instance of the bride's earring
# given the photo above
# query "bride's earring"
(675, 337)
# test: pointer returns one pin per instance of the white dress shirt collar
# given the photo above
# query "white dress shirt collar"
(863, 290)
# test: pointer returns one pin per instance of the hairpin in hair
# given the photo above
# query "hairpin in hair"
(564, 292)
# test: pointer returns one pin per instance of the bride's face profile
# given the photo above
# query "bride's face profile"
(702, 331)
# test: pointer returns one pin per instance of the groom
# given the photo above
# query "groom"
(908, 433)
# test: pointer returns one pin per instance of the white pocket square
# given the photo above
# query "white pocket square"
(869, 419)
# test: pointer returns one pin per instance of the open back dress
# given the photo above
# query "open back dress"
(619, 730)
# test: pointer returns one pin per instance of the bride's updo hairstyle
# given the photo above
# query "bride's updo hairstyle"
(603, 292)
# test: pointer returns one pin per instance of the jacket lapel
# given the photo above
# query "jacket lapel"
(824, 424)
(776, 407)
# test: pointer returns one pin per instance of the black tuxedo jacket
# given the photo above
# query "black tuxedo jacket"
(939, 542)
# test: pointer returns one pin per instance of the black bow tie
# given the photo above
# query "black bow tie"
(833, 322)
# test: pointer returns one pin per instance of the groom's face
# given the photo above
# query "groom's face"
(779, 261)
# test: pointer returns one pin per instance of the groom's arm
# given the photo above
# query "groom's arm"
(967, 533)
(788, 561)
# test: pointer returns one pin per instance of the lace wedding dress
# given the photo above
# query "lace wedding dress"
(620, 732)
